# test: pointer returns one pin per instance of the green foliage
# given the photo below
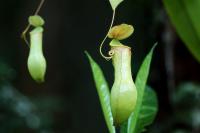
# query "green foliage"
(148, 110)
(185, 15)
(103, 92)
(123, 127)
(115, 3)
(147, 104)
(146, 107)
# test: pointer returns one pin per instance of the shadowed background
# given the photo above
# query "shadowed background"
(68, 102)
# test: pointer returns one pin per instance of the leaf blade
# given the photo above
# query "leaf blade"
(148, 110)
(140, 83)
(103, 92)
(115, 3)
(185, 16)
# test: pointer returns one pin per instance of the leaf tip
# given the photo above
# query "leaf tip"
(154, 46)
(87, 54)
(115, 3)
(89, 57)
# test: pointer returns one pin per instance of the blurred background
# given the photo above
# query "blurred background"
(68, 102)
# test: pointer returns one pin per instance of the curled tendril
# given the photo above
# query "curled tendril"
(101, 45)
(111, 53)
(23, 35)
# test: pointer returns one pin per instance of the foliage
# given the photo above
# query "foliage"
(147, 112)
(146, 107)
(103, 92)
(115, 3)
(185, 16)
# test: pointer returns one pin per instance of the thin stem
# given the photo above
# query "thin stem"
(101, 45)
(39, 7)
(23, 35)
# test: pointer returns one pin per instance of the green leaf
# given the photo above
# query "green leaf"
(148, 110)
(185, 16)
(103, 92)
(123, 127)
(145, 109)
(115, 3)
(147, 113)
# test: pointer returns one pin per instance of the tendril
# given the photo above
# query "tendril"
(23, 35)
(101, 45)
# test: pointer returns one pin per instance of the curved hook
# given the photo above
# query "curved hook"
(101, 45)
(23, 35)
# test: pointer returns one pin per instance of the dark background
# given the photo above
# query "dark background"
(68, 102)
